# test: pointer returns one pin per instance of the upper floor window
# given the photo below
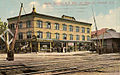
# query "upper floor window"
(56, 26)
(77, 37)
(39, 34)
(57, 35)
(48, 25)
(71, 28)
(48, 35)
(64, 27)
(12, 26)
(39, 24)
(88, 30)
(20, 35)
(28, 24)
(64, 36)
(83, 37)
(88, 38)
(77, 29)
(20, 25)
(29, 34)
(83, 30)
(71, 37)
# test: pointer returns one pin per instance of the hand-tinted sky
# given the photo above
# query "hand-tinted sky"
(106, 11)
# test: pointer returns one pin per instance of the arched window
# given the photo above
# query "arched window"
(20, 35)
(88, 38)
(28, 24)
(83, 30)
(39, 34)
(39, 24)
(77, 29)
(64, 27)
(48, 35)
(57, 35)
(48, 25)
(56, 26)
(77, 37)
(20, 25)
(70, 28)
(64, 36)
(12, 26)
(88, 30)
(71, 37)
(29, 34)
(83, 37)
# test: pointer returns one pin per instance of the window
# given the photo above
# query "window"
(28, 24)
(83, 30)
(83, 37)
(20, 35)
(12, 26)
(71, 28)
(64, 36)
(77, 29)
(71, 37)
(39, 24)
(57, 35)
(29, 34)
(77, 37)
(88, 38)
(88, 30)
(48, 25)
(56, 26)
(48, 35)
(39, 34)
(64, 27)
(20, 25)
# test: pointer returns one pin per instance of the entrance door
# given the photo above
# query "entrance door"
(34, 47)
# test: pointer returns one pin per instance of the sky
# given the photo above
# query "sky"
(107, 12)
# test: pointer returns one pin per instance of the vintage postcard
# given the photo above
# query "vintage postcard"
(59, 37)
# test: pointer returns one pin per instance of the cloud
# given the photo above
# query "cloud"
(35, 3)
(28, 7)
(57, 1)
(44, 6)
(61, 0)
(47, 6)
(12, 12)
(110, 20)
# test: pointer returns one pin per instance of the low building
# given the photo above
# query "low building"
(109, 40)
(99, 32)
(46, 33)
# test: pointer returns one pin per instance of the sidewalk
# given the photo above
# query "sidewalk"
(48, 54)
(67, 53)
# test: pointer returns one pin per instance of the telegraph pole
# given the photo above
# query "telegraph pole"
(10, 53)
(98, 43)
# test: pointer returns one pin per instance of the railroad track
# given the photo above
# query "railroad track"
(57, 69)
(61, 71)
(68, 70)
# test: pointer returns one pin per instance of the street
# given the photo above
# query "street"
(75, 63)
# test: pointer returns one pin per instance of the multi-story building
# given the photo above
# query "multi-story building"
(44, 32)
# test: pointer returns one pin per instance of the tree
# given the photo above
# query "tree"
(3, 26)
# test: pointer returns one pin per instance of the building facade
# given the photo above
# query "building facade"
(44, 33)
(109, 41)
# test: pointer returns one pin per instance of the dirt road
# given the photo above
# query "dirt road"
(75, 63)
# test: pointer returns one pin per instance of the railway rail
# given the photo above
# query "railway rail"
(59, 65)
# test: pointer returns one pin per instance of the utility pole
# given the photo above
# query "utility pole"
(98, 43)
(10, 53)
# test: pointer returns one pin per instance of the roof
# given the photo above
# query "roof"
(34, 14)
(99, 32)
(68, 17)
(109, 34)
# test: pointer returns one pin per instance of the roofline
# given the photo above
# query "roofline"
(37, 14)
